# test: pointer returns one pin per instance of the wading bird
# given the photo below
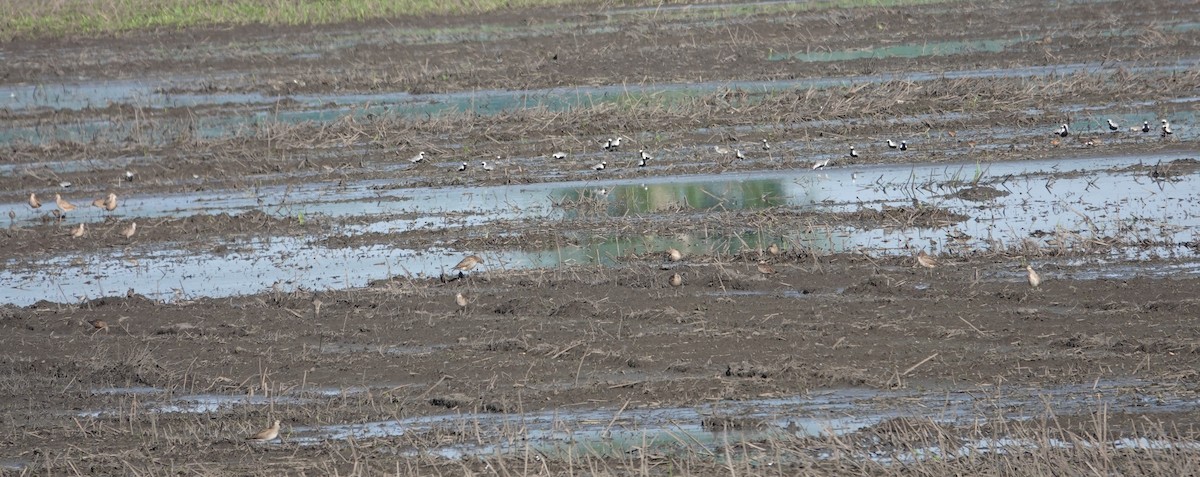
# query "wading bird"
(467, 264)
(1166, 128)
(63, 205)
(766, 146)
(853, 153)
(924, 260)
(737, 154)
(644, 158)
(773, 249)
(820, 164)
(128, 176)
(266, 435)
(98, 326)
(903, 145)
(765, 268)
(78, 231)
(559, 155)
(33, 201)
(892, 144)
(674, 255)
(484, 165)
(1145, 126)
(676, 280)
(130, 230)
(600, 166)
(613, 144)
(418, 158)
(1112, 126)
(1063, 131)
(460, 300)
(462, 167)
(1034, 278)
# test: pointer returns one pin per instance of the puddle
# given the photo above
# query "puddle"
(608, 432)
(325, 108)
(1041, 200)
(190, 404)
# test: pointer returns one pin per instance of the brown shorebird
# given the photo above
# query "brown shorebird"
(78, 231)
(765, 268)
(460, 300)
(1034, 278)
(676, 280)
(773, 249)
(33, 200)
(98, 326)
(926, 261)
(110, 202)
(130, 230)
(674, 255)
(63, 204)
(468, 264)
(266, 435)
(99, 202)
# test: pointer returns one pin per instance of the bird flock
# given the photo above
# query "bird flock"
(107, 203)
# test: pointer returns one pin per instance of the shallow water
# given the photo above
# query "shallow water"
(1082, 198)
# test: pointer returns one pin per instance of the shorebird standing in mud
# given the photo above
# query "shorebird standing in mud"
(613, 145)
(467, 264)
(1145, 126)
(674, 255)
(765, 268)
(600, 166)
(1063, 131)
(98, 326)
(924, 260)
(130, 230)
(108, 203)
(766, 145)
(63, 205)
(78, 231)
(675, 280)
(33, 201)
(559, 155)
(892, 144)
(418, 158)
(737, 154)
(1113, 126)
(462, 167)
(484, 165)
(461, 301)
(266, 435)
(903, 145)
(1166, 128)
(644, 158)
(853, 153)
(773, 249)
(1034, 278)
(820, 164)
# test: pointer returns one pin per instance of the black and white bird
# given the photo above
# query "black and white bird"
(463, 167)
(600, 166)
(853, 153)
(1166, 128)
(903, 145)
(128, 176)
(484, 165)
(737, 154)
(613, 144)
(1063, 131)
(559, 155)
(1145, 126)
(418, 158)
(820, 164)
(1112, 126)
(643, 158)
(766, 146)
(892, 145)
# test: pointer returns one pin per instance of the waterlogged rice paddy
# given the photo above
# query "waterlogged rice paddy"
(291, 263)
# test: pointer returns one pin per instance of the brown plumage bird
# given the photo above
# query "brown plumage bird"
(468, 264)
(98, 326)
(675, 280)
(266, 435)
(765, 268)
(1034, 278)
(674, 255)
(926, 261)
(773, 249)
(98, 203)
(33, 201)
(460, 300)
(130, 230)
(78, 231)
(63, 204)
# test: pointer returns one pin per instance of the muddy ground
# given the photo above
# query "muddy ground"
(301, 137)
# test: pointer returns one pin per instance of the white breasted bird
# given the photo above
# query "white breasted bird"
(766, 146)
(853, 153)
(1145, 126)
(485, 166)
(737, 154)
(559, 155)
(1166, 128)
(462, 167)
(266, 435)
(600, 166)
(1113, 126)
(1034, 278)
(1063, 131)
(418, 158)
(903, 145)
(820, 164)
(892, 144)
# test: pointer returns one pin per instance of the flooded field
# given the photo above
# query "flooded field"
(302, 197)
